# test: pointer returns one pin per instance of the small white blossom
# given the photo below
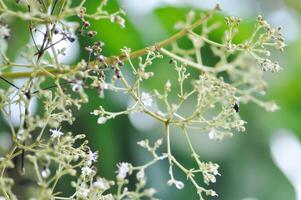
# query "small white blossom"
(101, 184)
(210, 170)
(83, 192)
(211, 193)
(56, 133)
(159, 142)
(213, 135)
(123, 170)
(146, 99)
(77, 86)
(168, 86)
(2, 198)
(87, 171)
(268, 65)
(179, 185)
(271, 106)
(143, 143)
(92, 157)
(141, 175)
(101, 120)
(45, 173)
(150, 192)
(4, 31)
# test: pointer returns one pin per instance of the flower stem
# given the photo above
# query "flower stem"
(122, 57)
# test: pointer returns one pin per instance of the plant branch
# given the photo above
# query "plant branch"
(122, 57)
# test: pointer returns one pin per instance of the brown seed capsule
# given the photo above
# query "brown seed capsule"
(117, 73)
(91, 33)
(86, 24)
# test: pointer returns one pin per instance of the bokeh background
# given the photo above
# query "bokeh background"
(264, 163)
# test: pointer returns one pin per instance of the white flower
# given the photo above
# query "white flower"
(271, 106)
(159, 142)
(179, 185)
(56, 133)
(4, 31)
(213, 135)
(95, 112)
(77, 86)
(146, 99)
(101, 120)
(211, 193)
(83, 192)
(210, 170)
(141, 175)
(143, 143)
(45, 173)
(2, 198)
(150, 192)
(92, 157)
(268, 65)
(101, 184)
(87, 171)
(123, 169)
(168, 86)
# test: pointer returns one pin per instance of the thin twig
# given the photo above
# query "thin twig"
(122, 57)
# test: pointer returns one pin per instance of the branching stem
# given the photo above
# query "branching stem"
(122, 57)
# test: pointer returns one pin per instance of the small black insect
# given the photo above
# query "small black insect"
(171, 61)
(236, 107)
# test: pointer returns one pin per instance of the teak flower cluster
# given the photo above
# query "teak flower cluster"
(43, 151)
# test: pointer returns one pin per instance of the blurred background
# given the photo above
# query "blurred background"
(263, 163)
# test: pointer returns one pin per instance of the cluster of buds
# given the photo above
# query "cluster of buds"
(232, 21)
(85, 24)
(271, 33)
(96, 49)
(118, 19)
(268, 65)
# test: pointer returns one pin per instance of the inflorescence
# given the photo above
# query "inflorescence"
(215, 95)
